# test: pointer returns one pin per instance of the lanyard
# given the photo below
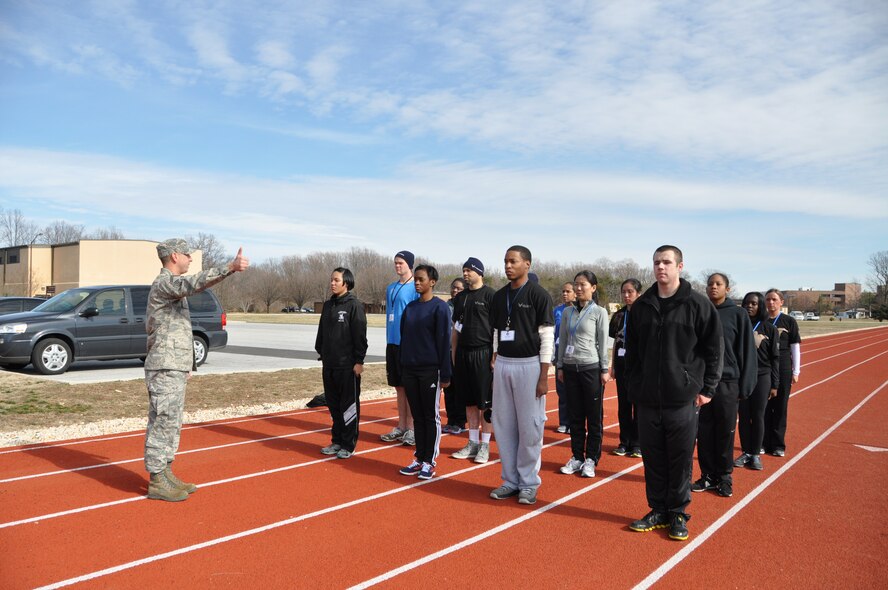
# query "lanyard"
(509, 304)
(395, 295)
(573, 329)
(779, 313)
(755, 327)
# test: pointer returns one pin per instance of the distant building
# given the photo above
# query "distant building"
(843, 296)
(39, 269)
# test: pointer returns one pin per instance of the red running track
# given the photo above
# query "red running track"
(272, 512)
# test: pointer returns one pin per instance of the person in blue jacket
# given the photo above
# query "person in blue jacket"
(425, 367)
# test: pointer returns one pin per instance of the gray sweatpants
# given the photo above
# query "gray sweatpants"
(518, 420)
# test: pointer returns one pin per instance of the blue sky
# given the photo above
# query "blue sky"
(753, 135)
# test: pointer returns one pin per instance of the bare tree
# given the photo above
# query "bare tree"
(15, 229)
(235, 293)
(266, 283)
(105, 233)
(373, 273)
(878, 262)
(61, 232)
(296, 285)
(212, 251)
(318, 266)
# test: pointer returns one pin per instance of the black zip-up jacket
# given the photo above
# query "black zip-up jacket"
(342, 333)
(768, 344)
(671, 358)
(740, 363)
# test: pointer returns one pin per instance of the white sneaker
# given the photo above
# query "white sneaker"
(483, 455)
(588, 469)
(409, 438)
(470, 451)
(572, 466)
(395, 434)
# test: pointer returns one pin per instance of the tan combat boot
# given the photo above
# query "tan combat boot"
(161, 488)
(188, 488)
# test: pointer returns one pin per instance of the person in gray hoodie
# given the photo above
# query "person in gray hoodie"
(582, 364)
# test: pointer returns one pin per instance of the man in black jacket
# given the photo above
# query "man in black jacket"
(342, 345)
(674, 356)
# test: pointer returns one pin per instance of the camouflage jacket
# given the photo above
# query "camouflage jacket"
(170, 340)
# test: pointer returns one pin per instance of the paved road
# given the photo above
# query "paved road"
(251, 348)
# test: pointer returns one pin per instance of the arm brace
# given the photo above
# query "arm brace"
(547, 343)
(795, 352)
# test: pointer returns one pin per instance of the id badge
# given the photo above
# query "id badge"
(457, 326)
(507, 336)
(391, 317)
(569, 349)
(621, 352)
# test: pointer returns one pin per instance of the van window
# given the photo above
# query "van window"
(202, 302)
(139, 296)
(111, 302)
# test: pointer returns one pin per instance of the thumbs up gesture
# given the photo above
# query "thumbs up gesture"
(240, 261)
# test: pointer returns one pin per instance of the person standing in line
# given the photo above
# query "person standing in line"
(568, 297)
(425, 367)
(673, 363)
(626, 413)
(718, 419)
(472, 347)
(341, 344)
(790, 371)
(170, 360)
(455, 409)
(752, 409)
(582, 363)
(397, 296)
(523, 326)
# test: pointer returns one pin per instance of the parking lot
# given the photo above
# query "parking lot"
(251, 348)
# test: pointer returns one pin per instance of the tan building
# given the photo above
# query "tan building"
(843, 296)
(40, 270)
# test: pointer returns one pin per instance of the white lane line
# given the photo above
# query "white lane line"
(141, 433)
(822, 381)
(200, 450)
(208, 484)
(664, 569)
(279, 524)
(501, 528)
(841, 354)
(491, 532)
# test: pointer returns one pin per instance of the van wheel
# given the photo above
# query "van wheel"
(201, 350)
(51, 356)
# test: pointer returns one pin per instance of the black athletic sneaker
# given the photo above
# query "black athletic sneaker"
(725, 489)
(621, 451)
(678, 530)
(755, 463)
(653, 520)
(778, 452)
(703, 484)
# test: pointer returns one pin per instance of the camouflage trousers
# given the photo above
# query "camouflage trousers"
(166, 404)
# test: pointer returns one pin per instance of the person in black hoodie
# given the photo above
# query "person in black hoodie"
(752, 409)
(342, 344)
(674, 353)
(715, 434)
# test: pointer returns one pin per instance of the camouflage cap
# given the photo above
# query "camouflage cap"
(167, 247)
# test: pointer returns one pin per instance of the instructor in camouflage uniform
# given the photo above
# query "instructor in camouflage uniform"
(170, 360)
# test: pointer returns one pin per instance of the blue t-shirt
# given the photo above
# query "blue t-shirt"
(397, 296)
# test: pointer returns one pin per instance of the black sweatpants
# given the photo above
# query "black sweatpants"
(583, 391)
(342, 388)
(422, 387)
(715, 433)
(775, 415)
(626, 415)
(752, 416)
(667, 437)
(456, 410)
